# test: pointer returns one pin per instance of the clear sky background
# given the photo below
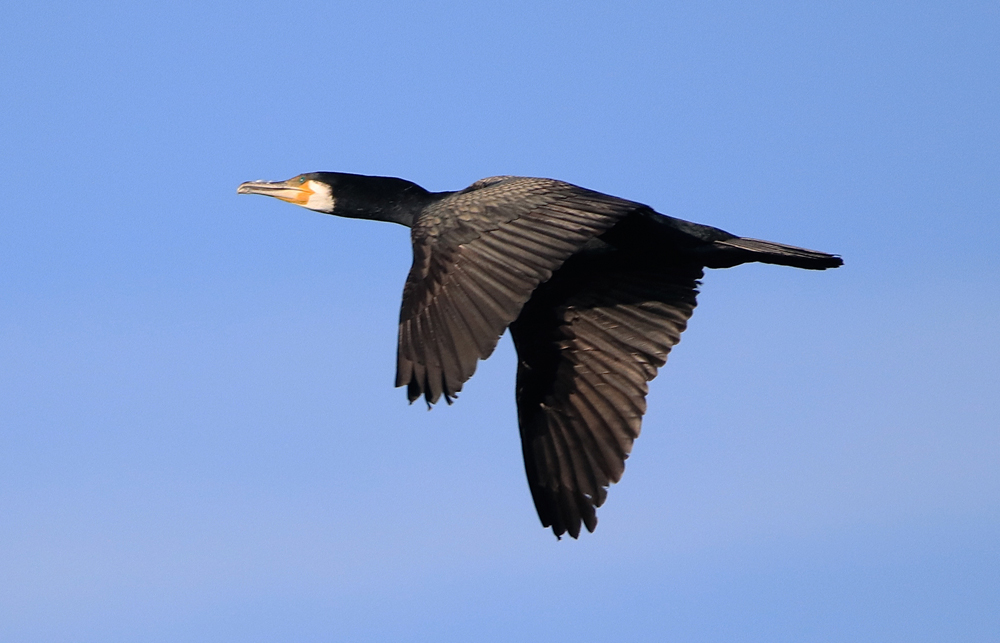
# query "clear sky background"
(199, 437)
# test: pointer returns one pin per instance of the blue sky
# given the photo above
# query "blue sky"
(199, 438)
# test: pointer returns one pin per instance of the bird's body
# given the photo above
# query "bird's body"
(595, 289)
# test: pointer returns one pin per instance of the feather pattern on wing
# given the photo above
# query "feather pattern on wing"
(588, 342)
(478, 255)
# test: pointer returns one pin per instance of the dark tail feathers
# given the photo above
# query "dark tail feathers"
(732, 252)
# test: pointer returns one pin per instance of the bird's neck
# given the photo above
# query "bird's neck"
(381, 199)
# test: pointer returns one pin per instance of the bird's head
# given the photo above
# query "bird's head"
(348, 195)
(313, 191)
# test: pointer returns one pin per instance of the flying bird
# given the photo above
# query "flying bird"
(595, 289)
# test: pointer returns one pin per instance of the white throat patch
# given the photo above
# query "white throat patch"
(321, 198)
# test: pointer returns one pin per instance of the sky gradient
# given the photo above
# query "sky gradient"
(199, 437)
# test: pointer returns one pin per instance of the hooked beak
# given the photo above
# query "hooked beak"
(298, 194)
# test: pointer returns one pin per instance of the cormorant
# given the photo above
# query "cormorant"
(595, 290)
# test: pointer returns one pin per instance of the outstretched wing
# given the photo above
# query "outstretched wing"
(587, 343)
(477, 257)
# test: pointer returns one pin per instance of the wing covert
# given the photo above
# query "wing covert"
(478, 255)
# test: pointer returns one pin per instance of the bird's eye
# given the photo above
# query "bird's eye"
(302, 180)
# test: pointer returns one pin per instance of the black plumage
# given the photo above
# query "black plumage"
(595, 289)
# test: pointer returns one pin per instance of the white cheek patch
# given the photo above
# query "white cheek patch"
(321, 198)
